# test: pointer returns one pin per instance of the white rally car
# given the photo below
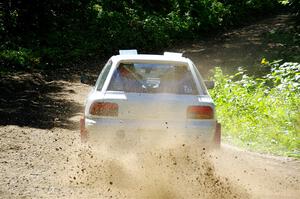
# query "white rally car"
(154, 94)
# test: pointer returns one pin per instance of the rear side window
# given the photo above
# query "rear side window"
(103, 75)
(153, 78)
(203, 88)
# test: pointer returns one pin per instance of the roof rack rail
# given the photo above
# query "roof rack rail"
(173, 54)
(128, 52)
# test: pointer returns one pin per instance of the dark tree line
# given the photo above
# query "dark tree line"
(53, 32)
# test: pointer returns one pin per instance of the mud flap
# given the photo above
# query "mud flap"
(83, 131)
(217, 138)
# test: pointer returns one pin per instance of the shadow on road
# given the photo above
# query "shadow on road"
(30, 100)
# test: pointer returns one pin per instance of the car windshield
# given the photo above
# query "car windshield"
(153, 78)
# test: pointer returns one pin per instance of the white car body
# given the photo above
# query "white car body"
(139, 112)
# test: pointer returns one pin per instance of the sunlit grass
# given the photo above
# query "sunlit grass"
(261, 114)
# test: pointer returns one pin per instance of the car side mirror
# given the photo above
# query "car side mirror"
(209, 84)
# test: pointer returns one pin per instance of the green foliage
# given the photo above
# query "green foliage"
(295, 7)
(261, 113)
(21, 58)
(59, 32)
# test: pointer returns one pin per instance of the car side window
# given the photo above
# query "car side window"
(103, 75)
(199, 77)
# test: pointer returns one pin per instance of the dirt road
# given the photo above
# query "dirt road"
(38, 163)
(244, 47)
(41, 155)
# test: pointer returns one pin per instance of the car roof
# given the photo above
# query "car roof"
(150, 58)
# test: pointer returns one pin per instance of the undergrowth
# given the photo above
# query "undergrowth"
(261, 114)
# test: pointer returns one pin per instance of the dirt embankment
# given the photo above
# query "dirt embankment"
(41, 155)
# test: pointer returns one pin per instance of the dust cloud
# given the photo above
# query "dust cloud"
(169, 167)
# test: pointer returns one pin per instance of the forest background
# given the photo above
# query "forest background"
(51, 33)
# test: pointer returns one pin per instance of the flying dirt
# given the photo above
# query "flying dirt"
(166, 168)
(53, 164)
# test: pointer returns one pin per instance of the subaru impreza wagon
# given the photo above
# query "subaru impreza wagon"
(157, 94)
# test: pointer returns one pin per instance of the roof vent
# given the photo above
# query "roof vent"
(172, 54)
(128, 52)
